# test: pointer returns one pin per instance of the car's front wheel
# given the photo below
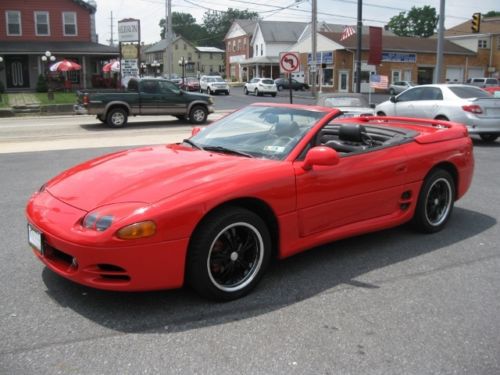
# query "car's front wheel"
(228, 254)
(489, 138)
(435, 202)
(117, 117)
(198, 115)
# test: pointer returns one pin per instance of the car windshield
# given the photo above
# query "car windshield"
(268, 81)
(259, 131)
(465, 92)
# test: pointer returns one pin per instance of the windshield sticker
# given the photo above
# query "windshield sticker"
(274, 148)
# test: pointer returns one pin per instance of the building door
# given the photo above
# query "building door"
(425, 75)
(343, 81)
(17, 72)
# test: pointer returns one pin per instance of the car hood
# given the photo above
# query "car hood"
(146, 175)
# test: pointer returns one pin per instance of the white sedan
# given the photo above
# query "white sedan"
(260, 86)
(469, 105)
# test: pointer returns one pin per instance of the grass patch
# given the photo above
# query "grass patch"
(59, 98)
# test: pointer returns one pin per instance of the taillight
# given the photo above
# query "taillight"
(472, 108)
(85, 99)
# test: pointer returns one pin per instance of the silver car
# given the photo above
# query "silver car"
(465, 104)
(400, 86)
(350, 104)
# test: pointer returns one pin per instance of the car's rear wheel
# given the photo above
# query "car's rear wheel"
(380, 113)
(256, 92)
(198, 115)
(228, 254)
(489, 138)
(117, 117)
(245, 90)
(435, 202)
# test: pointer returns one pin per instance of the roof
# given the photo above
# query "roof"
(281, 31)
(91, 5)
(248, 25)
(489, 25)
(400, 44)
(67, 48)
(210, 49)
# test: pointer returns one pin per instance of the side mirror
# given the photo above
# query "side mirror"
(393, 99)
(320, 155)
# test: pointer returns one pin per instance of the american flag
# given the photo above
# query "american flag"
(347, 32)
(379, 82)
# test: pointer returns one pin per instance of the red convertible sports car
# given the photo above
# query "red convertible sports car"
(269, 180)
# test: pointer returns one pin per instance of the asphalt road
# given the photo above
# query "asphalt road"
(393, 302)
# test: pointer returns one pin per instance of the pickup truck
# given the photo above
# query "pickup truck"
(145, 96)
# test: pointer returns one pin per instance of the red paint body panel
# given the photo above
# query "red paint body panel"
(176, 186)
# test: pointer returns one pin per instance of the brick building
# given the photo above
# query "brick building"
(66, 28)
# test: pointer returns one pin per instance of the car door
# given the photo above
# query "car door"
(360, 187)
(149, 90)
(252, 84)
(429, 103)
(406, 101)
(171, 99)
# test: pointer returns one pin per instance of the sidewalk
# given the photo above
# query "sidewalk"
(23, 99)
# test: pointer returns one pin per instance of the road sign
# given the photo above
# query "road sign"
(289, 62)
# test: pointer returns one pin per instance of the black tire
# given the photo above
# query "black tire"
(256, 92)
(245, 90)
(227, 92)
(198, 114)
(280, 88)
(435, 202)
(489, 138)
(117, 118)
(228, 254)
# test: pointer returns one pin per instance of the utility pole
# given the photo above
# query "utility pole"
(314, 66)
(168, 63)
(111, 40)
(358, 49)
(440, 42)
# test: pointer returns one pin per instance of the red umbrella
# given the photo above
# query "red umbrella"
(112, 66)
(65, 66)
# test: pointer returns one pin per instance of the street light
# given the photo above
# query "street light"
(182, 63)
(155, 65)
(46, 58)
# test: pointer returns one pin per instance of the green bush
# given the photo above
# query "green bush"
(41, 85)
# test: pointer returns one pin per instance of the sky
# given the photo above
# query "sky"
(343, 12)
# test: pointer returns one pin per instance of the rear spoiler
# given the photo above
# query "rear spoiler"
(445, 130)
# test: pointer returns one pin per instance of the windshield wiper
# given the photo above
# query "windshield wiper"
(226, 150)
(191, 143)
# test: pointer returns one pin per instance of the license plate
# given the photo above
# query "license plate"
(35, 239)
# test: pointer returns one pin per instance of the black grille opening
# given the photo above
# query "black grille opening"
(110, 268)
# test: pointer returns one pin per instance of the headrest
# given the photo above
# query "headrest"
(351, 132)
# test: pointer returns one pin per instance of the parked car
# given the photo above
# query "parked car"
(350, 104)
(400, 86)
(190, 84)
(284, 83)
(464, 104)
(213, 85)
(494, 90)
(269, 180)
(260, 86)
(483, 82)
(145, 96)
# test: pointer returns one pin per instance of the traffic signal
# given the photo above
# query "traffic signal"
(476, 22)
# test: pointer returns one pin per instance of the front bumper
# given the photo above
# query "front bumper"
(114, 265)
(80, 109)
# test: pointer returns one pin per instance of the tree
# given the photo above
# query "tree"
(492, 13)
(185, 24)
(419, 22)
(217, 24)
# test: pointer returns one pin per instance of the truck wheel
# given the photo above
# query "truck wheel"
(117, 117)
(198, 115)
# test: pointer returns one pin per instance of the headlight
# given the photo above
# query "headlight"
(104, 217)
